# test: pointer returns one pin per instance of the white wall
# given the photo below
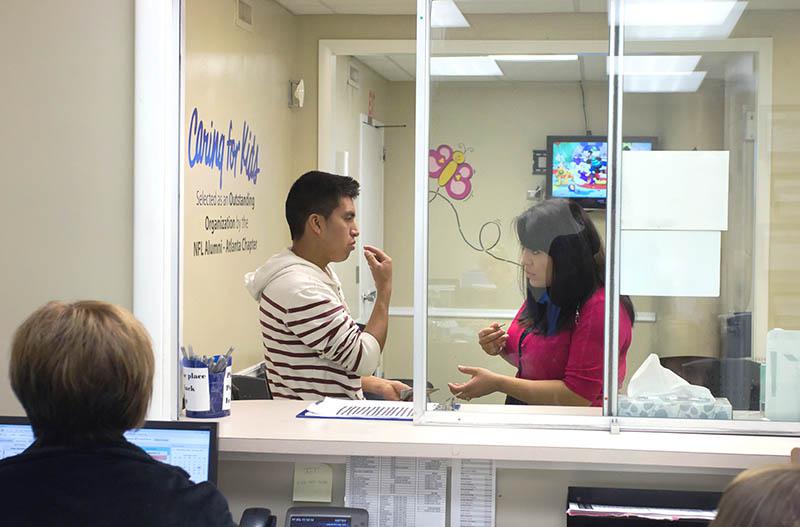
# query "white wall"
(66, 141)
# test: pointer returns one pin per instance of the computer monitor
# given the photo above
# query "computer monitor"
(189, 445)
(577, 167)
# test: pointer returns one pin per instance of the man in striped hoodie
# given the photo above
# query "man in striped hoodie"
(312, 346)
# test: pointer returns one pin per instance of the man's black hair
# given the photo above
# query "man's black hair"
(316, 192)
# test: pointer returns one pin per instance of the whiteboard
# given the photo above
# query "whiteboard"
(670, 263)
(675, 190)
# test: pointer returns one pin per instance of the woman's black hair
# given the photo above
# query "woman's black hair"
(564, 231)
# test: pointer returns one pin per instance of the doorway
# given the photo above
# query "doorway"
(369, 207)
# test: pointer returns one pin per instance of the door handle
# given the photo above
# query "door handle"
(370, 297)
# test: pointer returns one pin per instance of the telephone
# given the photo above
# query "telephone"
(326, 517)
(257, 517)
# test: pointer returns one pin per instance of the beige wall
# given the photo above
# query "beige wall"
(501, 123)
(784, 309)
(784, 276)
(686, 326)
(67, 145)
(235, 75)
(312, 29)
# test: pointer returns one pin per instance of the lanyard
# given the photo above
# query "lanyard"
(519, 350)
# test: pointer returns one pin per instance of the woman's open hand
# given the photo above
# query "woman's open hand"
(483, 382)
(493, 339)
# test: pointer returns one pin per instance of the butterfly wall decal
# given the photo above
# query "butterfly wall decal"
(451, 170)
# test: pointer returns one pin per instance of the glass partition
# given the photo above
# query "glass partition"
(705, 247)
(514, 309)
(660, 125)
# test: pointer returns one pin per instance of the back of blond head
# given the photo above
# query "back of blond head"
(83, 371)
(762, 497)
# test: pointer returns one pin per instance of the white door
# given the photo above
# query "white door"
(369, 212)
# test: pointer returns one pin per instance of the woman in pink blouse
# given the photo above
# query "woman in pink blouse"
(556, 338)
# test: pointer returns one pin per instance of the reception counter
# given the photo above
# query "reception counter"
(270, 430)
(262, 440)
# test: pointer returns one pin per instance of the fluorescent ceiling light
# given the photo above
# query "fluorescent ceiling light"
(464, 67)
(654, 64)
(445, 13)
(672, 83)
(533, 58)
(678, 12)
(681, 19)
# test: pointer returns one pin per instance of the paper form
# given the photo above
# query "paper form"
(349, 409)
(398, 491)
(472, 493)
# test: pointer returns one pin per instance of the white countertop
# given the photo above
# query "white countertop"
(270, 430)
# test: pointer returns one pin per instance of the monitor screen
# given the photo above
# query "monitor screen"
(578, 167)
(319, 521)
(191, 446)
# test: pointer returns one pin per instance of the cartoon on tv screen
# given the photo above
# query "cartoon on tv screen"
(580, 168)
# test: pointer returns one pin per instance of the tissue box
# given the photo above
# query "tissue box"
(676, 408)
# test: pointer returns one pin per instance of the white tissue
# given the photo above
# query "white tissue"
(654, 380)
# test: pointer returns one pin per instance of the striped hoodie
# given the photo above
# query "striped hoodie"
(312, 346)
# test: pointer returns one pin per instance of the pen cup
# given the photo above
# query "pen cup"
(206, 393)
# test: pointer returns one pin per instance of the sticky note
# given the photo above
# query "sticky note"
(312, 482)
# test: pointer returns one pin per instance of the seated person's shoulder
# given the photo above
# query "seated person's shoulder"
(124, 479)
(200, 505)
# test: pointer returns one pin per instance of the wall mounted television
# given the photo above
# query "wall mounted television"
(577, 166)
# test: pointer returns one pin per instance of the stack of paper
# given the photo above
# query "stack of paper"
(472, 493)
(398, 491)
(650, 513)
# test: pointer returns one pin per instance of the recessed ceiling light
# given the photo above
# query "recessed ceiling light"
(678, 12)
(681, 19)
(445, 13)
(655, 64)
(464, 67)
(533, 58)
(665, 83)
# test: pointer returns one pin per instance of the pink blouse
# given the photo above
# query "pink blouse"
(575, 355)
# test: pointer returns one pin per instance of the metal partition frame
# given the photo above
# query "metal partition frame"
(616, 42)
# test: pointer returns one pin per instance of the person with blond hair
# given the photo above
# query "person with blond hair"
(83, 372)
(762, 497)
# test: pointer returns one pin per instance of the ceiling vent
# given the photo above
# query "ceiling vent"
(244, 14)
